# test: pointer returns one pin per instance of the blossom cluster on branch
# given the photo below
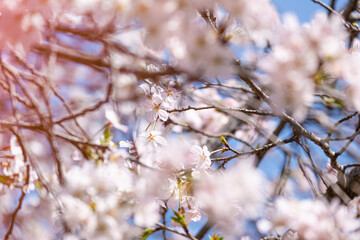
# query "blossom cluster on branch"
(178, 119)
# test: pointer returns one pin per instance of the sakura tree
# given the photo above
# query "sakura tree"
(178, 119)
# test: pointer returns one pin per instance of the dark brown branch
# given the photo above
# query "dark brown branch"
(351, 139)
(224, 134)
(204, 230)
(89, 109)
(346, 14)
(276, 133)
(243, 110)
(27, 179)
(297, 126)
(73, 55)
(338, 123)
(13, 216)
(350, 7)
(311, 184)
(332, 6)
(258, 150)
(162, 226)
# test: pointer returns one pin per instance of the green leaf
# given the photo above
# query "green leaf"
(147, 233)
(107, 136)
(223, 140)
(333, 102)
(179, 218)
(339, 102)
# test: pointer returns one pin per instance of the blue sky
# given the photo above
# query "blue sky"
(304, 9)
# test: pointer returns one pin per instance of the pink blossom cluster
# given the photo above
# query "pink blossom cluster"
(183, 126)
(315, 219)
(293, 64)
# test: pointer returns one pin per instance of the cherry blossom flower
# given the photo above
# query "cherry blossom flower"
(17, 165)
(240, 189)
(114, 119)
(157, 102)
(201, 157)
(153, 138)
(181, 200)
(332, 221)
(17, 169)
(78, 213)
(258, 17)
(198, 51)
(156, 108)
(349, 70)
(295, 58)
(147, 214)
(142, 147)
